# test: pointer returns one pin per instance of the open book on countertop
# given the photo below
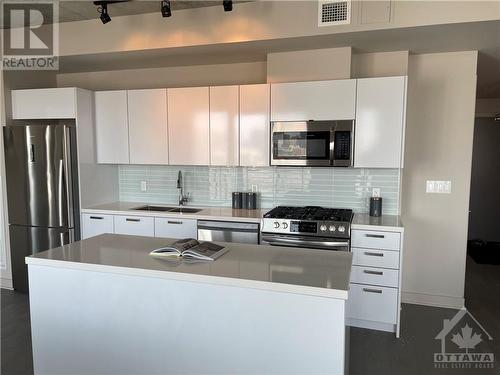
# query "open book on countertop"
(190, 248)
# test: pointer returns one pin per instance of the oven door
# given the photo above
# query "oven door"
(306, 143)
(322, 243)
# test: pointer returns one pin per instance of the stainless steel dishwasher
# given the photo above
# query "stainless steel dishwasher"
(228, 231)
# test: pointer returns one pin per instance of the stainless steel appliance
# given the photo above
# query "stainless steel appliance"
(227, 231)
(42, 191)
(312, 143)
(310, 226)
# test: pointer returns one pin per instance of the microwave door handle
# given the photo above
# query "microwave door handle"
(332, 146)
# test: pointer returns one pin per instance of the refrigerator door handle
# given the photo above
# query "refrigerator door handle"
(66, 182)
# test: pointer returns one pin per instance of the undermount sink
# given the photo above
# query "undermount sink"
(186, 210)
(153, 208)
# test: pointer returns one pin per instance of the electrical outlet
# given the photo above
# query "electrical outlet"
(376, 192)
(144, 186)
(255, 188)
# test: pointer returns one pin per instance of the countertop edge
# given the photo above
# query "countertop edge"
(382, 228)
(214, 280)
(172, 215)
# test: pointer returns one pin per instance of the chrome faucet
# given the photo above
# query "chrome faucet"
(182, 198)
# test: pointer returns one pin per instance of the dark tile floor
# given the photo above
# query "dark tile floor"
(371, 352)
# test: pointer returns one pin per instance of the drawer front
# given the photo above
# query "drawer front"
(375, 276)
(135, 225)
(375, 239)
(95, 224)
(375, 258)
(175, 228)
(374, 303)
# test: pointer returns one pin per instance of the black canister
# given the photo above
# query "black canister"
(375, 206)
(237, 200)
(251, 201)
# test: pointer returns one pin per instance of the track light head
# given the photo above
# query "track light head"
(228, 5)
(103, 10)
(165, 8)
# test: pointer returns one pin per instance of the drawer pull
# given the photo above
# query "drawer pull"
(174, 222)
(134, 220)
(375, 235)
(370, 290)
(369, 272)
(96, 217)
(372, 254)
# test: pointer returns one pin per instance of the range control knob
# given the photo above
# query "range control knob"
(285, 225)
(322, 228)
(341, 229)
(331, 228)
(276, 225)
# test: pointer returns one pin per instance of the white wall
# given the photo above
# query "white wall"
(380, 64)
(310, 65)
(179, 76)
(439, 133)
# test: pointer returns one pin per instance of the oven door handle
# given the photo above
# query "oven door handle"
(302, 243)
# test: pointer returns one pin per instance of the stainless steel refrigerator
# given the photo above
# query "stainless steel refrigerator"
(42, 191)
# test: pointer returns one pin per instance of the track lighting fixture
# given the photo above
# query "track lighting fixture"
(165, 8)
(103, 10)
(228, 5)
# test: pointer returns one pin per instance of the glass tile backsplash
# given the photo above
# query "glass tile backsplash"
(212, 186)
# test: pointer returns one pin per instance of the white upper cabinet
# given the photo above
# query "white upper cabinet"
(224, 124)
(147, 126)
(254, 125)
(380, 119)
(317, 100)
(112, 127)
(188, 126)
(56, 103)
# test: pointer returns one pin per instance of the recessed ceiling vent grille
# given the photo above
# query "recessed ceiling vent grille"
(334, 12)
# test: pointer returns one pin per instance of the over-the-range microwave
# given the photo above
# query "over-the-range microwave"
(312, 143)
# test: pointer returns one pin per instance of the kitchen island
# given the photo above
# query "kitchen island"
(104, 306)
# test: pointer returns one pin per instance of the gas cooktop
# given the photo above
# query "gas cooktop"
(308, 220)
(310, 213)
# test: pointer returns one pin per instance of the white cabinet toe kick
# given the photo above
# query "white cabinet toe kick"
(375, 285)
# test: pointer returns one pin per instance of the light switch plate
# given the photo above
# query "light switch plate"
(144, 186)
(439, 187)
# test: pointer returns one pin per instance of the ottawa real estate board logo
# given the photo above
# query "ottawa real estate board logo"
(30, 35)
(463, 344)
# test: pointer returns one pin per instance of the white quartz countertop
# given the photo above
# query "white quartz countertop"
(206, 213)
(360, 221)
(291, 270)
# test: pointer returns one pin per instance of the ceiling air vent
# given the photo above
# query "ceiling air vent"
(334, 12)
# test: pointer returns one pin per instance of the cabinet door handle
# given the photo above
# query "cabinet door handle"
(370, 290)
(369, 253)
(134, 220)
(174, 222)
(373, 272)
(96, 217)
(375, 235)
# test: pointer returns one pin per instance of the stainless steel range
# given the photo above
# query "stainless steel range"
(310, 226)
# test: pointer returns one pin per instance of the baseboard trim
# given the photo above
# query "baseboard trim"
(432, 300)
(6, 284)
(379, 326)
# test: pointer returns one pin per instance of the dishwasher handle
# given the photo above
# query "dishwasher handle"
(228, 226)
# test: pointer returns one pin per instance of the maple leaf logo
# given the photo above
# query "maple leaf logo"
(466, 340)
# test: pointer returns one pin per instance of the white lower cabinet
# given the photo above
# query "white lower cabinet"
(372, 303)
(375, 289)
(135, 225)
(95, 224)
(176, 228)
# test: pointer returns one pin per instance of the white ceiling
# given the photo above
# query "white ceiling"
(481, 36)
